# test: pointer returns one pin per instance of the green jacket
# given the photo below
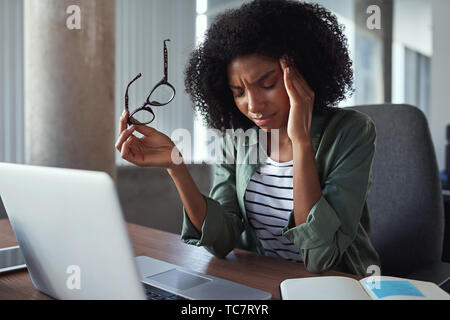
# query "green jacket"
(336, 233)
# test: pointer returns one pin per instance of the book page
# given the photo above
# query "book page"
(392, 288)
(322, 288)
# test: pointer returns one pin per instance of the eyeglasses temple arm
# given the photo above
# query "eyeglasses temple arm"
(126, 92)
(166, 61)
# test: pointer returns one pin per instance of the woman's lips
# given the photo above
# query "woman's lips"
(263, 121)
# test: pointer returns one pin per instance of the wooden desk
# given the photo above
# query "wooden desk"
(244, 267)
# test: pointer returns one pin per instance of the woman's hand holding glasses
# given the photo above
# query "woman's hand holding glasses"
(153, 149)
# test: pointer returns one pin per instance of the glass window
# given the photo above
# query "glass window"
(417, 80)
(412, 52)
(368, 69)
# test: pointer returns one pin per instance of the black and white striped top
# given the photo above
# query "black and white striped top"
(269, 201)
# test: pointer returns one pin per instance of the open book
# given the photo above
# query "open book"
(342, 288)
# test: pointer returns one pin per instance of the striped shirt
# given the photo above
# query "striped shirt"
(269, 202)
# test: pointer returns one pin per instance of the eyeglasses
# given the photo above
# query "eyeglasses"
(162, 93)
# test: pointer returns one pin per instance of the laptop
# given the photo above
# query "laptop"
(70, 228)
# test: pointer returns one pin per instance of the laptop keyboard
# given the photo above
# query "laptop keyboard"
(154, 293)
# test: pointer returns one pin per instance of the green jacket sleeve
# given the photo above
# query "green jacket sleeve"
(333, 222)
(223, 223)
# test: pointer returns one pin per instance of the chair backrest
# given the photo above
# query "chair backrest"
(405, 201)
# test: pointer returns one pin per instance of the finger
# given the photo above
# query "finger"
(123, 121)
(291, 90)
(286, 62)
(129, 149)
(146, 131)
(302, 82)
(124, 136)
(283, 63)
(126, 148)
(305, 94)
(299, 84)
(289, 73)
(297, 78)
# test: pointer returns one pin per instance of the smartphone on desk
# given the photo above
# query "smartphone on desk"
(11, 258)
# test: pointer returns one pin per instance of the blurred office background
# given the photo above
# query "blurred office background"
(62, 90)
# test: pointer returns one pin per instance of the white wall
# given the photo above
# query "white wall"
(440, 73)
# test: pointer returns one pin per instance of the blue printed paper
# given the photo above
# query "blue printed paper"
(386, 288)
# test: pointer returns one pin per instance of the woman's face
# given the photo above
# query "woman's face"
(258, 89)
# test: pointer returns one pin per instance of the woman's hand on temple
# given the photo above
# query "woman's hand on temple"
(301, 98)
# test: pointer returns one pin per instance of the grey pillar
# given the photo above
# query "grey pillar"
(69, 84)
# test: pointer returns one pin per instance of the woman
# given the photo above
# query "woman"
(275, 65)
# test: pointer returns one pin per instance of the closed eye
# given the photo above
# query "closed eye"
(237, 93)
(269, 87)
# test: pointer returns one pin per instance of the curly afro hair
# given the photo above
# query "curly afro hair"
(308, 33)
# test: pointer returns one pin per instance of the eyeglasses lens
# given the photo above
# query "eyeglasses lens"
(162, 95)
(142, 117)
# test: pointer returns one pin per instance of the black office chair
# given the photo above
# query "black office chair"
(405, 202)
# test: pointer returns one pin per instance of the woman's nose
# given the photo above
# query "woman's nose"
(255, 102)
